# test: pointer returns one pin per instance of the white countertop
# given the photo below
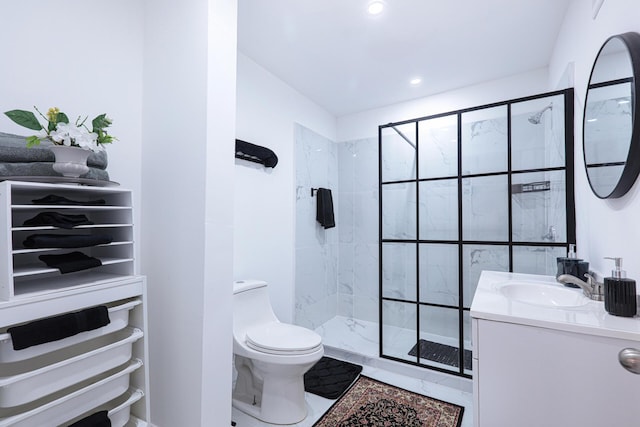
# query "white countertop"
(491, 304)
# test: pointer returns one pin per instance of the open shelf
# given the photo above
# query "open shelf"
(107, 208)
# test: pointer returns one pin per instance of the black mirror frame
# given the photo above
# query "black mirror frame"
(631, 168)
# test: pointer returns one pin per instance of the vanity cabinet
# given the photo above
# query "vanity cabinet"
(539, 366)
(97, 370)
(531, 377)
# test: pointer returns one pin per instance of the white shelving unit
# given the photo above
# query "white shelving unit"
(103, 369)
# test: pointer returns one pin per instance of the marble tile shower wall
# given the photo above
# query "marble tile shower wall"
(316, 265)
(336, 269)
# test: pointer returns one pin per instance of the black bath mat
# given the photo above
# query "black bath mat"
(330, 377)
(441, 353)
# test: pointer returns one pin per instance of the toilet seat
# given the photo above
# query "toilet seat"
(283, 339)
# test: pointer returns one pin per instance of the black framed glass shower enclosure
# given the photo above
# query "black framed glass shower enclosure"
(485, 188)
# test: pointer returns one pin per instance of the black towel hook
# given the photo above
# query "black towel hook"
(313, 191)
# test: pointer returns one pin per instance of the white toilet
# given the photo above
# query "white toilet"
(271, 357)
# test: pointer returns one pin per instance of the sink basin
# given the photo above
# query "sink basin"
(544, 294)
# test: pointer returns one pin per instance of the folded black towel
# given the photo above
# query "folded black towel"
(58, 327)
(324, 208)
(66, 241)
(255, 153)
(68, 263)
(53, 199)
(99, 419)
(56, 219)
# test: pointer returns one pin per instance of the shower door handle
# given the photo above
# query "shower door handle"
(629, 358)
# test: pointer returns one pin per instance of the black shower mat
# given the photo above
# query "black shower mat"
(330, 377)
(441, 353)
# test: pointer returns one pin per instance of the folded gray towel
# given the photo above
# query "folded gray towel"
(13, 149)
(45, 169)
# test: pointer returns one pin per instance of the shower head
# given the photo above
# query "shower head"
(537, 117)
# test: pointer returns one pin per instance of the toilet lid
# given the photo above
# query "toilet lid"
(282, 338)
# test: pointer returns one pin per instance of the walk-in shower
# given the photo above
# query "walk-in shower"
(421, 209)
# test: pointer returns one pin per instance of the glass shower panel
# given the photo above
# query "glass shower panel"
(538, 206)
(537, 259)
(399, 211)
(398, 145)
(439, 338)
(538, 133)
(485, 208)
(439, 209)
(484, 141)
(475, 259)
(439, 276)
(399, 322)
(399, 271)
(487, 189)
(438, 149)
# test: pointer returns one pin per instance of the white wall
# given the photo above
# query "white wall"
(90, 58)
(264, 208)
(45, 63)
(605, 228)
(188, 122)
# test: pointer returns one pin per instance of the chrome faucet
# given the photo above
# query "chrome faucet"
(551, 235)
(591, 288)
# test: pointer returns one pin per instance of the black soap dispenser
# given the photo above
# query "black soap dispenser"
(572, 265)
(619, 292)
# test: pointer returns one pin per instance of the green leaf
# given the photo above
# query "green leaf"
(100, 122)
(32, 141)
(62, 118)
(24, 118)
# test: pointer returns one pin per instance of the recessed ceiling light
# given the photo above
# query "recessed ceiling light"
(415, 81)
(375, 7)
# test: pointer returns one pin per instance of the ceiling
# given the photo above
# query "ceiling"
(347, 61)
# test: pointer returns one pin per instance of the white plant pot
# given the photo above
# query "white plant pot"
(70, 161)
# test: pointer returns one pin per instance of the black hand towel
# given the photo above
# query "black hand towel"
(56, 219)
(99, 419)
(255, 153)
(324, 208)
(53, 199)
(66, 241)
(68, 263)
(58, 327)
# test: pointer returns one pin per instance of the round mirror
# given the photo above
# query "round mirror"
(610, 135)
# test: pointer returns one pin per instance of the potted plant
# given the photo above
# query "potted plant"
(72, 142)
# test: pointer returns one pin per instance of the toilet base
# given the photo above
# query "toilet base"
(270, 392)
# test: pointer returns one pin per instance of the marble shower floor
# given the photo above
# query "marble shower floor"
(353, 335)
(357, 341)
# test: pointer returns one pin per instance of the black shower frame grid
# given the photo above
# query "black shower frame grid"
(569, 169)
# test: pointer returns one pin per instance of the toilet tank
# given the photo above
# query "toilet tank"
(251, 305)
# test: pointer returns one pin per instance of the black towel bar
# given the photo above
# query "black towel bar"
(255, 153)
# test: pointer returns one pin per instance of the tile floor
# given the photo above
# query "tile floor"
(357, 341)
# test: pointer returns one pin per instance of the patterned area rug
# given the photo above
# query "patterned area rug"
(371, 403)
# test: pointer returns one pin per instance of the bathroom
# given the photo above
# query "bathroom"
(203, 248)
